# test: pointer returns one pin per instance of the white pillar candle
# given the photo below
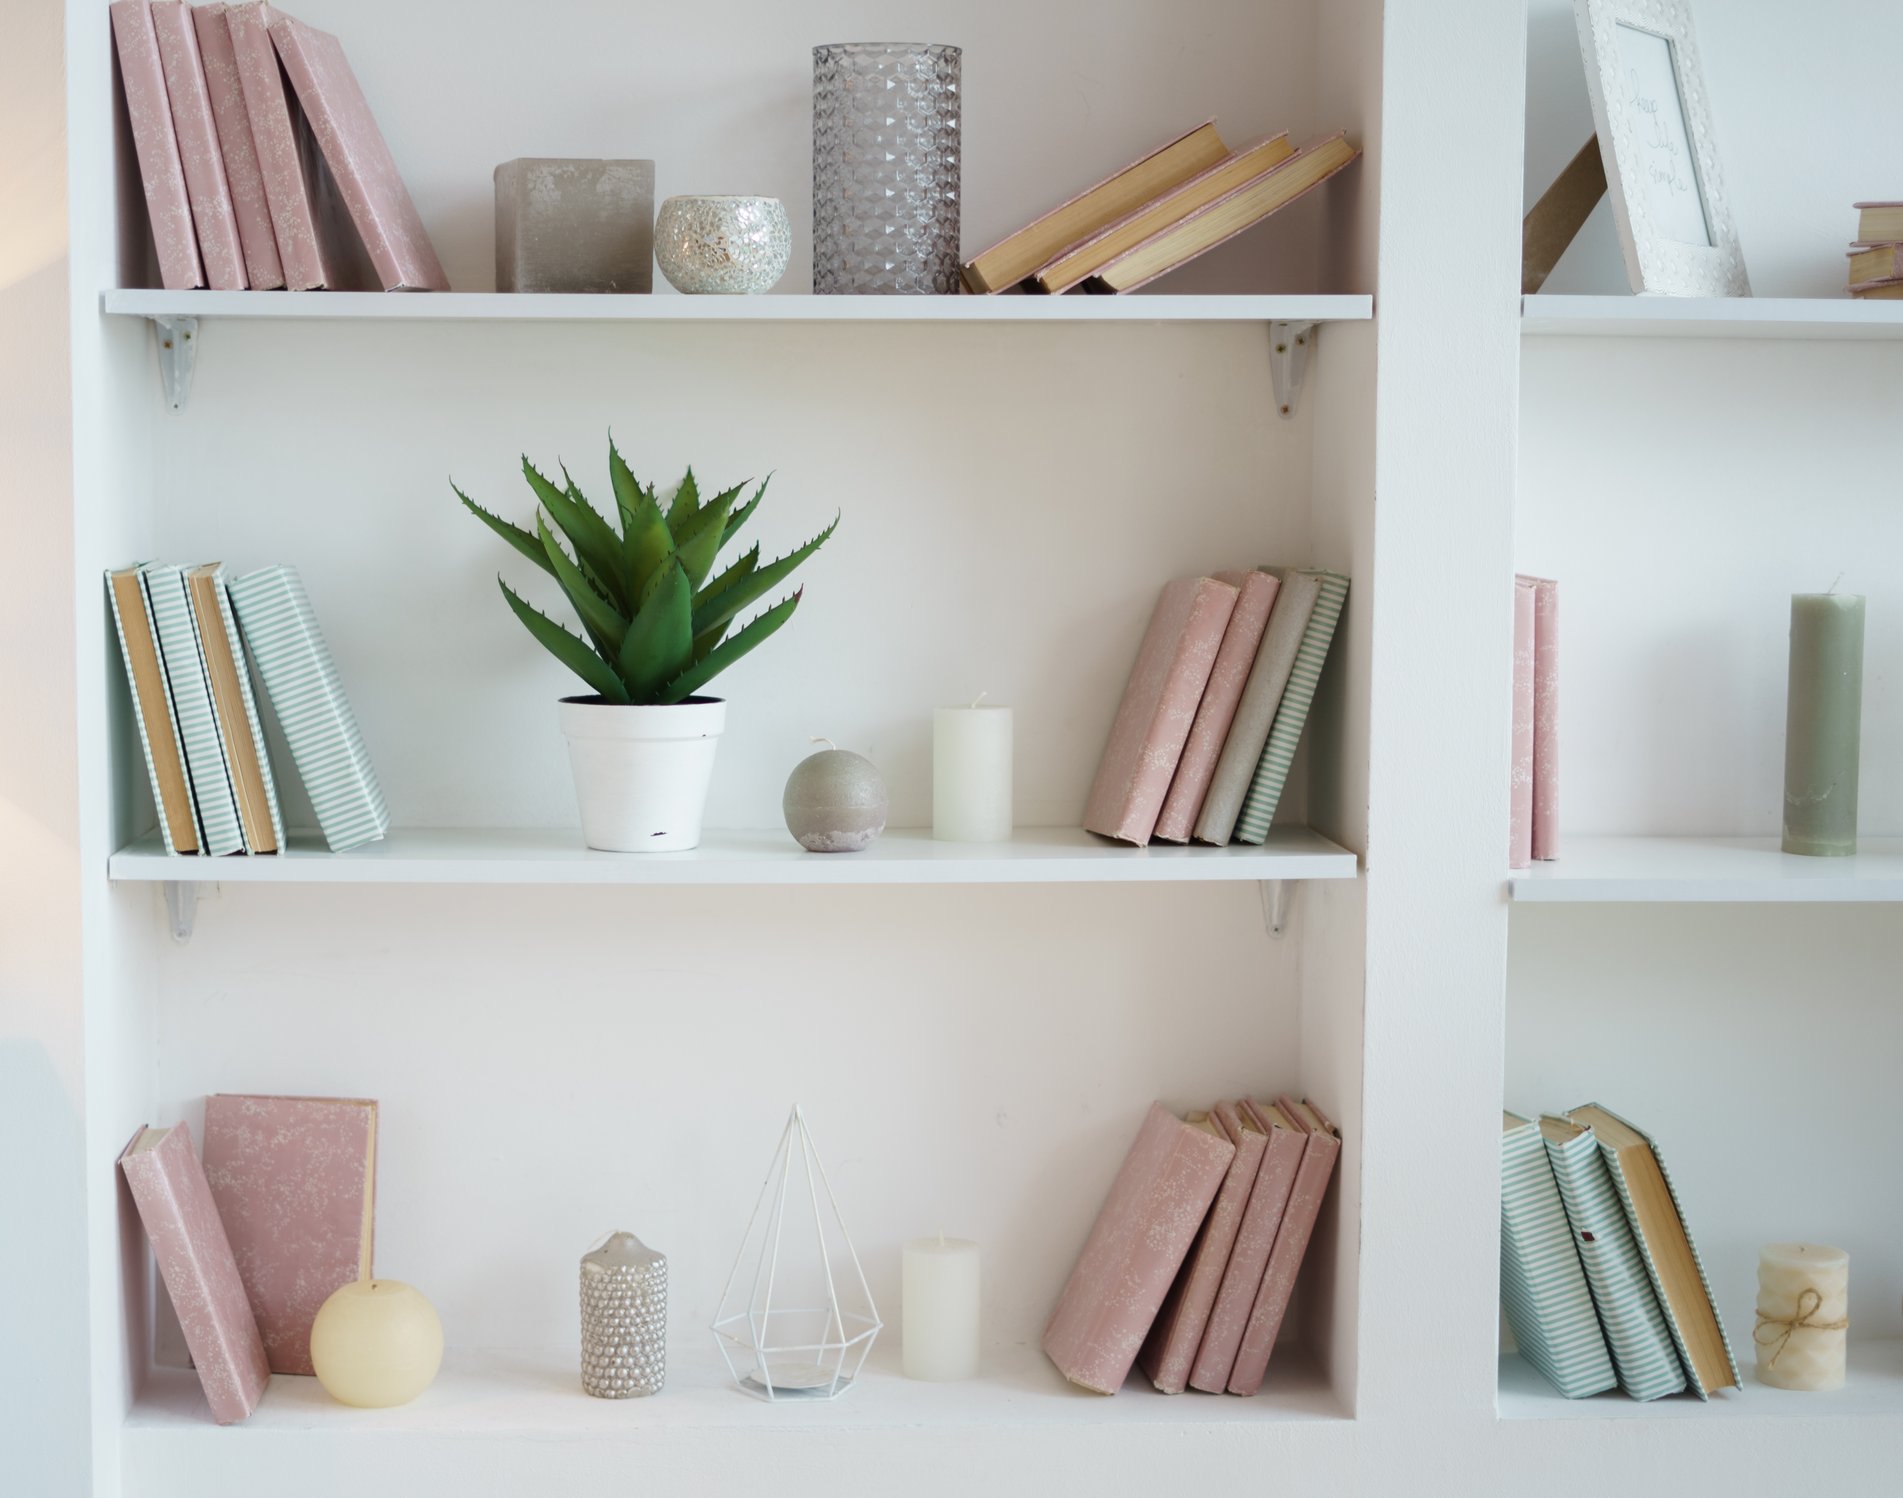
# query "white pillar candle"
(971, 774)
(940, 1308)
(1803, 1315)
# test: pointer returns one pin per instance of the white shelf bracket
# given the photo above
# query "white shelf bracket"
(178, 356)
(1278, 896)
(1289, 345)
(181, 908)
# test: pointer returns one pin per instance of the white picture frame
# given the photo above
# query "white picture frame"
(1662, 174)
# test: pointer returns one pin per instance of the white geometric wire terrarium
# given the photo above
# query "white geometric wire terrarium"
(793, 1322)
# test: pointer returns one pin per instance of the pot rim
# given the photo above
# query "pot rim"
(595, 699)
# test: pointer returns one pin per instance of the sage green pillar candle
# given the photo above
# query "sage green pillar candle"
(1823, 724)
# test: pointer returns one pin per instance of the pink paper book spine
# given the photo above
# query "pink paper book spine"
(155, 139)
(1520, 851)
(1545, 843)
(197, 133)
(294, 1180)
(1255, 596)
(366, 173)
(1146, 1225)
(274, 137)
(1319, 1152)
(1159, 705)
(263, 270)
(1178, 1332)
(195, 1261)
(1242, 1277)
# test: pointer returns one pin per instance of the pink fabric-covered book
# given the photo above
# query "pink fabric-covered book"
(295, 1179)
(354, 149)
(1178, 1331)
(200, 1274)
(1520, 850)
(1321, 1148)
(1255, 596)
(155, 138)
(1545, 717)
(243, 179)
(1147, 1223)
(1159, 705)
(282, 161)
(197, 132)
(1285, 1142)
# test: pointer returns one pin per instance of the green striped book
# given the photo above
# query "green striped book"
(282, 638)
(1542, 1286)
(1271, 771)
(1641, 1346)
(182, 658)
(152, 711)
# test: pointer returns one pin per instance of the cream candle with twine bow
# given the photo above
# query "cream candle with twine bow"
(1803, 1315)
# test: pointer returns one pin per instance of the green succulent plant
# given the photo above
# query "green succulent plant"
(659, 620)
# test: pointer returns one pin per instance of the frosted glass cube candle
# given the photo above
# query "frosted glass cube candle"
(574, 225)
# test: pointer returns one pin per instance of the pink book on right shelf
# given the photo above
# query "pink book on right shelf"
(1320, 1149)
(155, 139)
(1545, 842)
(205, 184)
(1520, 848)
(1142, 1233)
(284, 161)
(201, 1275)
(263, 270)
(1255, 596)
(1159, 704)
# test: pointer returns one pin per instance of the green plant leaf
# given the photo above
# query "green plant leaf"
(571, 652)
(520, 539)
(717, 608)
(745, 513)
(627, 487)
(597, 547)
(604, 621)
(660, 641)
(697, 542)
(724, 655)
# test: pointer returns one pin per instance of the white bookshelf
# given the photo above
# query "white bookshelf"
(1749, 870)
(1843, 318)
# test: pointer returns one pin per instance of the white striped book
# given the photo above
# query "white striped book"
(282, 638)
(1278, 755)
(1542, 1284)
(183, 660)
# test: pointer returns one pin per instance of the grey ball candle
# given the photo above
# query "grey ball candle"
(835, 802)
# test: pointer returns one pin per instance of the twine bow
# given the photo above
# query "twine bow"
(1809, 1303)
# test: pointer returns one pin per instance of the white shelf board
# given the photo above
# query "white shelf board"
(1707, 869)
(517, 1422)
(1873, 1389)
(488, 306)
(1700, 317)
(1035, 855)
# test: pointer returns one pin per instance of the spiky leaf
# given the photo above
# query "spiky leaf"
(645, 539)
(571, 652)
(685, 506)
(724, 655)
(745, 513)
(627, 487)
(597, 547)
(660, 640)
(697, 543)
(520, 539)
(605, 622)
(716, 609)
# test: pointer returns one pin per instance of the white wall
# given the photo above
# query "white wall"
(43, 1364)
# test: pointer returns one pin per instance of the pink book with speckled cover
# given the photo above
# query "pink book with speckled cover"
(1255, 596)
(1520, 851)
(1178, 1331)
(1144, 1230)
(295, 1179)
(1545, 843)
(243, 179)
(205, 183)
(200, 1273)
(1159, 705)
(354, 149)
(155, 139)
(1286, 1141)
(283, 159)
(1320, 1150)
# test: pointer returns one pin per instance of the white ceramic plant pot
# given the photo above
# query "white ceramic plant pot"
(641, 773)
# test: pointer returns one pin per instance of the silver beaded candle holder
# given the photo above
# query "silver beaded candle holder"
(623, 1319)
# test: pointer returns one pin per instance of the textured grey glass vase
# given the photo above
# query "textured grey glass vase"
(885, 169)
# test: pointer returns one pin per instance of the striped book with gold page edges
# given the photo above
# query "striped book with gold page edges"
(1291, 716)
(159, 738)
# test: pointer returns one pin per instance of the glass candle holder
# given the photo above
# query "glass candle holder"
(886, 160)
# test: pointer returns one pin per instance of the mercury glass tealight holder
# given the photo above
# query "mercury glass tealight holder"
(623, 1319)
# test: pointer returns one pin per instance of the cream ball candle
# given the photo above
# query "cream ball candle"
(1803, 1315)
(376, 1343)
